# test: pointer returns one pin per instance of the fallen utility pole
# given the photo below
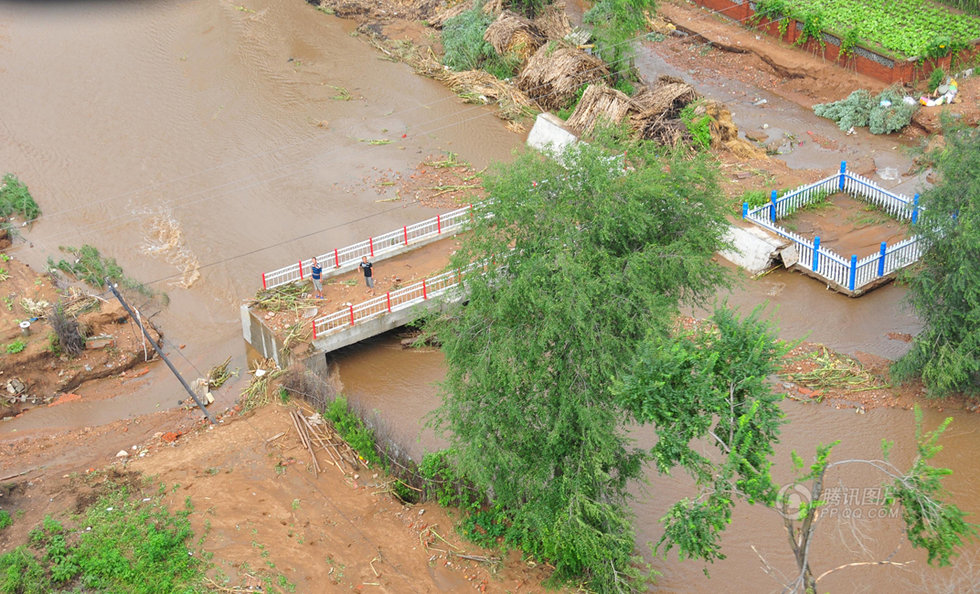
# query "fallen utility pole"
(153, 343)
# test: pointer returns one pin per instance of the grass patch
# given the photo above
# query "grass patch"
(352, 429)
(88, 265)
(16, 199)
(121, 543)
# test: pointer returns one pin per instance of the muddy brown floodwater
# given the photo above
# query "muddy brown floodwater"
(215, 139)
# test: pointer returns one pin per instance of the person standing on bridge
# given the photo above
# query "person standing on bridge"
(315, 271)
(368, 275)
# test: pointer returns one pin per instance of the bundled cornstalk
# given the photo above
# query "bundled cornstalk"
(79, 303)
(553, 21)
(555, 73)
(600, 103)
(219, 374)
(834, 371)
(479, 86)
(282, 298)
(515, 35)
(256, 393)
(658, 116)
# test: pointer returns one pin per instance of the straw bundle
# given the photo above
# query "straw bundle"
(452, 9)
(514, 34)
(599, 102)
(552, 76)
(659, 108)
(670, 95)
(479, 86)
(553, 21)
(724, 132)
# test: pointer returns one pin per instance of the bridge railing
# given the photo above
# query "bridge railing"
(429, 288)
(449, 223)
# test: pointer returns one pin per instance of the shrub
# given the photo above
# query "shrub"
(501, 66)
(16, 346)
(462, 40)
(5, 520)
(87, 264)
(354, 431)
(15, 198)
(69, 337)
(936, 78)
(698, 126)
(848, 113)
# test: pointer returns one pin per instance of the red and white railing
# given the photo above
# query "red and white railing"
(449, 223)
(429, 288)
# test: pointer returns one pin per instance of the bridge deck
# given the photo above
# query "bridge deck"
(267, 331)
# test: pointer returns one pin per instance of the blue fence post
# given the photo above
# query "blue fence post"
(854, 263)
(843, 170)
(915, 209)
(881, 259)
(745, 209)
(772, 200)
(816, 252)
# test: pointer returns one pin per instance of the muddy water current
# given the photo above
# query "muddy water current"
(201, 143)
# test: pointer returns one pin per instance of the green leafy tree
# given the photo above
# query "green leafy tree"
(945, 288)
(614, 25)
(583, 261)
(710, 386)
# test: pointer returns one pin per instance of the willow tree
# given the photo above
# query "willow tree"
(584, 260)
(945, 288)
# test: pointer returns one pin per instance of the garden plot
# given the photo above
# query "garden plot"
(846, 225)
(912, 28)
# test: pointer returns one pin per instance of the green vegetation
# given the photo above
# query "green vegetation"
(883, 114)
(968, 6)
(5, 520)
(15, 198)
(88, 265)
(596, 261)
(121, 543)
(354, 431)
(614, 23)
(465, 49)
(16, 346)
(936, 78)
(698, 126)
(912, 28)
(709, 387)
(945, 288)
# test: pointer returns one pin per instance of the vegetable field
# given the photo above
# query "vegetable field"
(912, 28)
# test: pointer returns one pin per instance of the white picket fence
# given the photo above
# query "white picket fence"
(852, 274)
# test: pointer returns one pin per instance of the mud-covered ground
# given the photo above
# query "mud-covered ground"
(33, 369)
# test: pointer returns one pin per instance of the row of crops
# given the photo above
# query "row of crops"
(912, 28)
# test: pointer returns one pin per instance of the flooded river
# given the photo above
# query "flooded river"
(204, 138)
